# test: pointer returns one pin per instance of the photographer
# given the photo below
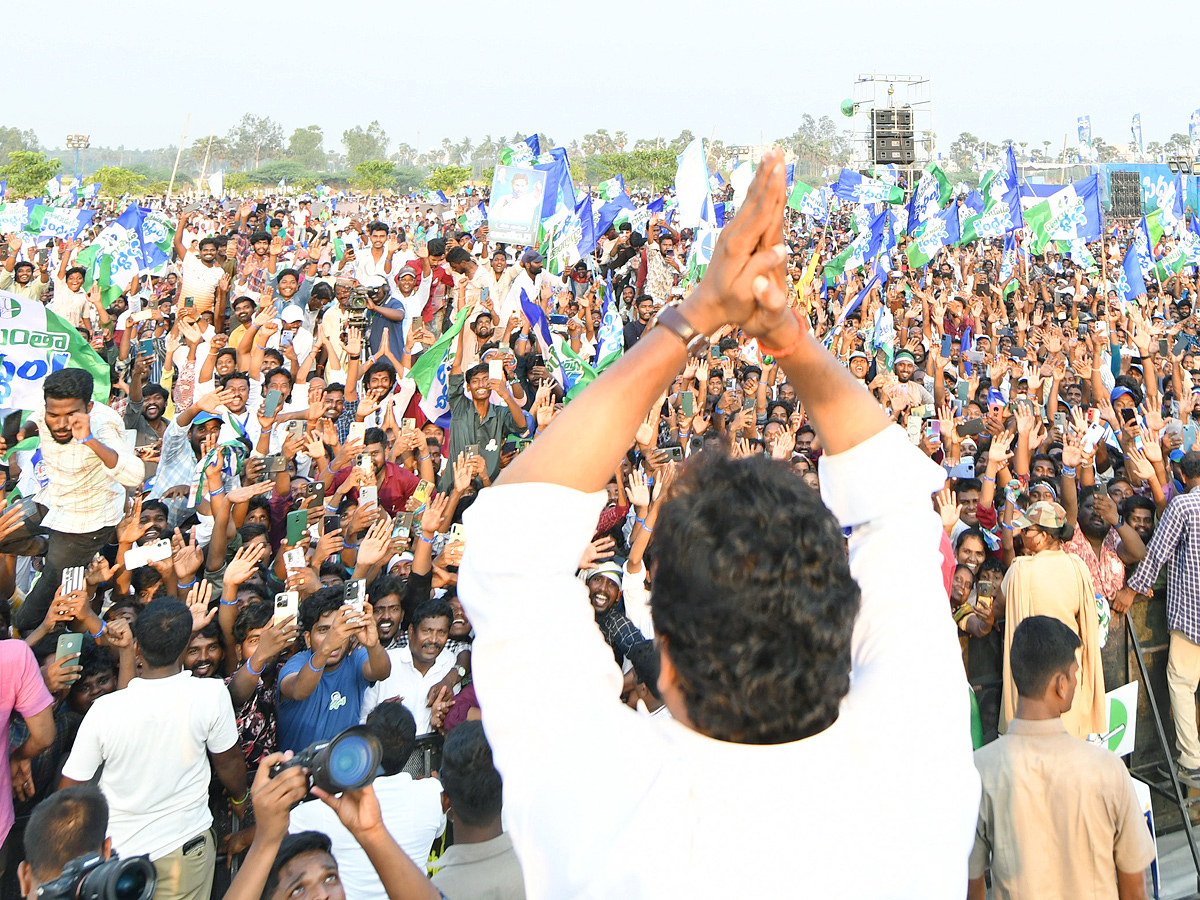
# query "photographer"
(278, 864)
(65, 826)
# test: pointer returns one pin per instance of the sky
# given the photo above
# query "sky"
(129, 73)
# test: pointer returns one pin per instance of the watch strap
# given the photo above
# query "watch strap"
(676, 322)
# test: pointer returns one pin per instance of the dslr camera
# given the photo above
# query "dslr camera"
(347, 762)
(92, 877)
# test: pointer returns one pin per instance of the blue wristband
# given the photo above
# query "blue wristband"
(257, 674)
(425, 539)
(96, 636)
(90, 437)
(1068, 470)
(314, 668)
(189, 584)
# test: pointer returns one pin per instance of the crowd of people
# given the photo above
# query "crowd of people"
(265, 538)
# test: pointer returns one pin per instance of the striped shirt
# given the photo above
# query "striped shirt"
(1176, 541)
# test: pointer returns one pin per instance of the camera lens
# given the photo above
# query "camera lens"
(130, 884)
(351, 762)
(120, 879)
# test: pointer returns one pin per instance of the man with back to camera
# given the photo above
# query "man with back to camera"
(154, 740)
(739, 544)
(1059, 815)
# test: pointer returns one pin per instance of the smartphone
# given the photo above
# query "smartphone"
(69, 644)
(315, 489)
(714, 352)
(1181, 344)
(368, 493)
(964, 388)
(556, 319)
(985, 589)
(43, 256)
(495, 369)
(456, 534)
(286, 605)
(1189, 437)
(358, 432)
(969, 427)
(1162, 346)
(146, 347)
(688, 403)
(1128, 415)
(402, 526)
(354, 595)
(1016, 353)
(1060, 422)
(72, 579)
(975, 357)
(274, 464)
(423, 492)
(189, 302)
(413, 324)
(408, 424)
(731, 384)
(331, 523)
(28, 507)
(471, 450)
(297, 524)
(934, 429)
(947, 343)
(271, 403)
(483, 294)
(293, 560)
(674, 454)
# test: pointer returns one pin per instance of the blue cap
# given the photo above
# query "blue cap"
(203, 417)
(1119, 392)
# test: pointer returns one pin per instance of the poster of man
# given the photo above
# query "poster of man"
(516, 204)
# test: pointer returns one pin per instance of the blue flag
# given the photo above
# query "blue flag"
(854, 188)
(1085, 129)
(1130, 283)
(583, 210)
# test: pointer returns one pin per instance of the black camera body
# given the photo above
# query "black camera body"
(92, 877)
(346, 762)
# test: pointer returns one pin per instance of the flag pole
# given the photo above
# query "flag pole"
(178, 153)
(204, 165)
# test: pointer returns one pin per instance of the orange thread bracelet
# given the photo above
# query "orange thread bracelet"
(791, 348)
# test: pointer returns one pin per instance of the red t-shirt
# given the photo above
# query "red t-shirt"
(397, 486)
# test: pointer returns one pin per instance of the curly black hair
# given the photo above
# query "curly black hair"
(754, 598)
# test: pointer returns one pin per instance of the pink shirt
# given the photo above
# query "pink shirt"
(22, 690)
(1107, 571)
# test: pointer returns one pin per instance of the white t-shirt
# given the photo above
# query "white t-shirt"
(412, 813)
(199, 281)
(410, 685)
(153, 739)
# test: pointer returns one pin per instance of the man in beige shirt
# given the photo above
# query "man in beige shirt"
(1059, 817)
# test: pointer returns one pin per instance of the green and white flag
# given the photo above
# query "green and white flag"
(558, 241)
(431, 372)
(14, 216)
(1177, 257)
(612, 188)
(57, 222)
(35, 342)
(1067, 215)
(800, 190)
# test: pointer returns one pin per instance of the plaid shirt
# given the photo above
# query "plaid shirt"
(177, 461)
(83, 495)
(1176, 540)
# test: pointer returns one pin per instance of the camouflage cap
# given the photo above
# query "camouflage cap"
(1045, 513)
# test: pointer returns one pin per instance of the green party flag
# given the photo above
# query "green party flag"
(799, 191)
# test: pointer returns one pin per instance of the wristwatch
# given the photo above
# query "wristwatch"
(674, 321)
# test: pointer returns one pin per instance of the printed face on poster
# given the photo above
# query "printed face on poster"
(515, 210)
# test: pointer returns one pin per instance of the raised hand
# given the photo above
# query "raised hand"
(198, 599)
